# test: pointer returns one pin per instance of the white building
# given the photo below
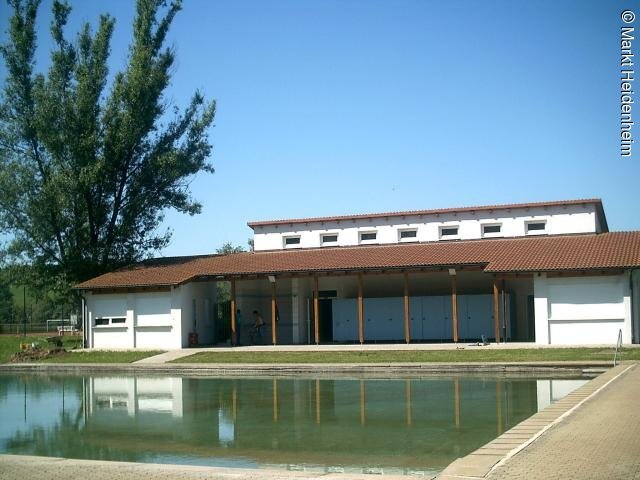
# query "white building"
(470, 223)
(548, 272)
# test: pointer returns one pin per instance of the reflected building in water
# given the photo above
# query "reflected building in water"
(392, 423)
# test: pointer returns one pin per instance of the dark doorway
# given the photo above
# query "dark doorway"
(531, 319)
(325, 318)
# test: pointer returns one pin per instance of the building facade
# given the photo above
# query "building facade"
(549, 273)
(469, 223)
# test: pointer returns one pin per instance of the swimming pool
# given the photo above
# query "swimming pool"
(392, 425)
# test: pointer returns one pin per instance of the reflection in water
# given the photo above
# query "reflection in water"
(401, 424)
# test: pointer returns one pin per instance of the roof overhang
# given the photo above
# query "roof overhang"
(568, 253)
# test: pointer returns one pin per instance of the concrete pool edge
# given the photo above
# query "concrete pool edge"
(294, 369)
(38, 467)
(481, 462)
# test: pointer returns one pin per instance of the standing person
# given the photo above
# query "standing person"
(239, 323)
(258, 322)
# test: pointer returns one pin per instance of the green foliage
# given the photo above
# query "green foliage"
(400, 356)
(6, 301)
(10, 344)
(103, 356)
(223, 289)
(228, 248)
(88, 165)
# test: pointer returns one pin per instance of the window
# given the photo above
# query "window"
(408, 235)
(491, 230)
(104, 321)
(368, 236)
(329, 238)
(448, 232)
(291, 241)
(536, 227)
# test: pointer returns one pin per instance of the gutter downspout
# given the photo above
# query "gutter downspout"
(635, 334)
(85, 330)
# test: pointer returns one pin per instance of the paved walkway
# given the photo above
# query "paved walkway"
(592, 433)
(600, 440)
(167, 356)
(18, 467)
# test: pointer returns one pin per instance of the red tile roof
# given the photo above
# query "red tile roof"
(587, 201)
(603, 251)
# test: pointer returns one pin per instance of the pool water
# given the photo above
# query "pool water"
(351, 425)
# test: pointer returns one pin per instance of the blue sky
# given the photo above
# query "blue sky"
(344, 106)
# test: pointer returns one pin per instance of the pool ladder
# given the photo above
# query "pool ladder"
(618, 347)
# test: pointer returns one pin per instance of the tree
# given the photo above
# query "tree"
(228, 248)
(6, 301)
(223, 289)
(88, 166)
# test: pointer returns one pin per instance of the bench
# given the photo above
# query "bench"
(67, 328)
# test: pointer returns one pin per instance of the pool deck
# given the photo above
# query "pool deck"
(319, 370)
(17, 467)
(592, 433)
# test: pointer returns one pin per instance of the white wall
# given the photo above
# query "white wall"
(582, 310)
(150, 323)
(635, 302)
(136, 394)
(549, 391)
(301, 295)
(200, 320)
(156, 327)
(154, 320)
(559, 219)
(110, 336)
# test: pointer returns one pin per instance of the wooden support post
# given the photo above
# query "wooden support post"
(234, 401)
(504, 313)
(507, 407)
(275, 400)
(360, 310)
(234, 333)
(454, 307)
(274, 337)
(316, 319)
(318, 401)
(499, 405)
(407, 332)
(409, 403)
(362, 403)
(456, 401)
(496, 312)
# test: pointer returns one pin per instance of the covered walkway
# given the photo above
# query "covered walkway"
(442, 305)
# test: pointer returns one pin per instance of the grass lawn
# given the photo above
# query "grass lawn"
(10, 344)
(102, 357)
(515, 355)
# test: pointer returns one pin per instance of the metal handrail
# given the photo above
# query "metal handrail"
(618, 346)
